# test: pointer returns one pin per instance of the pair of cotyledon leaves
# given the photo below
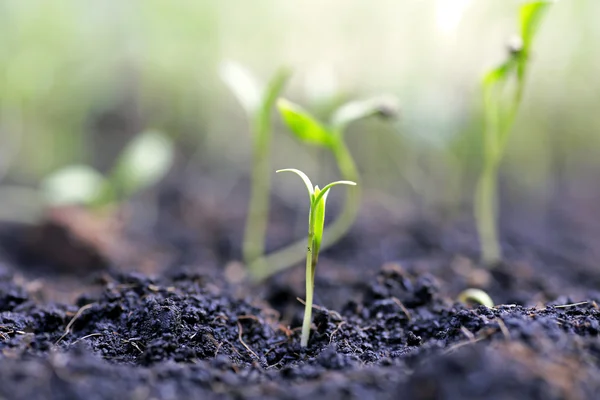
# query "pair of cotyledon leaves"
(302, 124)
(515, 66)
(530, 15)
(143, 162)
(318, 198)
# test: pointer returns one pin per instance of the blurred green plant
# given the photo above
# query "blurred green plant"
(476, 296)
(258, 104)
(316, 221)
(503, 88)
(143, 162)
(309, 130)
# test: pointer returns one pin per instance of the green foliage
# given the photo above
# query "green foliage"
(258, 103)
(502, 92)
(310, 131)
(144, 162)
(530, 16)
(316, 221)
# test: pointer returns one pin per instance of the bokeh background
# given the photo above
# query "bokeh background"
(79, 79)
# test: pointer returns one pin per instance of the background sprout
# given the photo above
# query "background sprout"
(258, 103)
(316, 222)
(144, 162)
(501, 103)
(309, 130)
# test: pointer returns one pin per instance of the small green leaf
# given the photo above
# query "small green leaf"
(144, 162)
(500, 74)
(318, 211)
(384, 105)
(323, 192)
(302, 175)
(243, 85)
(75, 184)
(302, 124)
(530, 15)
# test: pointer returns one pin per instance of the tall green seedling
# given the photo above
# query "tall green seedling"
(330, 136)
(316, 221)
(258, 104)
(503, 88)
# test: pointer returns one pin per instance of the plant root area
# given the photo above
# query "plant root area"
(391, 331)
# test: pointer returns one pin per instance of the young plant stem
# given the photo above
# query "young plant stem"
(311, 264)
(281, 259)
(496, 134)
(256, 222)
(486, 211)
(485, 214)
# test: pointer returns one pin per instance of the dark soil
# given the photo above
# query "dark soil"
(386, 325)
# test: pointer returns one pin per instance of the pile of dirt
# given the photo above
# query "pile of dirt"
(189, 336)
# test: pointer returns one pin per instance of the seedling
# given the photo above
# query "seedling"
(143, 162)
(258, 104)
(503, 89)
(476, 296)
(316, 221)
(331, 137)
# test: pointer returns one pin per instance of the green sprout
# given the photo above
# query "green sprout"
(331, 137)
(503, 89)
(258, 103)
(316, 223)
(143, 162)
(476, 296)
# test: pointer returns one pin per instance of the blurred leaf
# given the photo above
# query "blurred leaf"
(497, 108)
(302, 124)
(355, 110)
(530, 15)
(243, 85)
(144, 162)
(499, 74)
(75, 184)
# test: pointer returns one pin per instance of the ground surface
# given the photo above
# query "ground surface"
(389, 330)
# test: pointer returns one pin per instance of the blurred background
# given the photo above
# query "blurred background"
(80, 79)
